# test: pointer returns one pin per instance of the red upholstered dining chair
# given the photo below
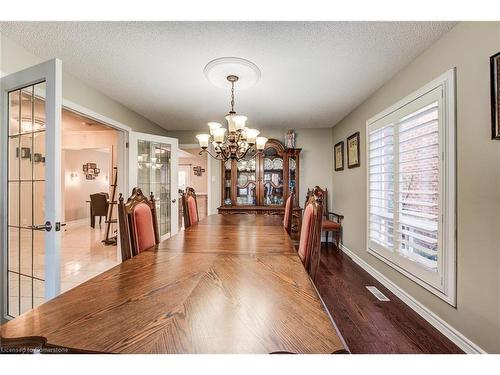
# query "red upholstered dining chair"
(310, 232)
(332, 221)
(189, 207)
(138, 223)
(287, 218)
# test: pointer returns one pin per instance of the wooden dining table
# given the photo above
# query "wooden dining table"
(229, 284)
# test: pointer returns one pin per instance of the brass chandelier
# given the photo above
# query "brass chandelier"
(239, 141)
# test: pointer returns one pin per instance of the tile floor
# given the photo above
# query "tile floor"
(83, 256)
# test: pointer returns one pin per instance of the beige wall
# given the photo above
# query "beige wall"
(198, 183)
(14, 57)
(77, 190)
(467, 47)
(316, 164)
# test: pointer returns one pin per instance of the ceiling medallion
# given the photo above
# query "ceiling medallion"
(219, 69)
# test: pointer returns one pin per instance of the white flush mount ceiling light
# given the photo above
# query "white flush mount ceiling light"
(236, 141)
(219, 69)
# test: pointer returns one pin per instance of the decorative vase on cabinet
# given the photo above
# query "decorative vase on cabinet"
(261, 183)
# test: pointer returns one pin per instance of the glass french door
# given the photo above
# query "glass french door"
(153, 168)
(30, 187)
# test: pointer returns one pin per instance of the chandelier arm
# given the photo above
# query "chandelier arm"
(246, 152)
(209, 153)
(224, 153)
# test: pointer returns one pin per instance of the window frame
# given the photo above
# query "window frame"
(443, 282)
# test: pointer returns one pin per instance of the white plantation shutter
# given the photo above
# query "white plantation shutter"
(418, 200)
(406, 189)
(381, 186)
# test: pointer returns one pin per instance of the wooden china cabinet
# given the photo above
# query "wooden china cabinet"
(260, 183)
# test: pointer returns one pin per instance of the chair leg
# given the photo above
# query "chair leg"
(337, 239)
(92, 221)
(100, 220)
(326, 235)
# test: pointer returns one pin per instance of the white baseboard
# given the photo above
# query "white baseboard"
(451, 333)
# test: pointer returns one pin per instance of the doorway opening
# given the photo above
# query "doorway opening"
(89, 166)
(193, 172)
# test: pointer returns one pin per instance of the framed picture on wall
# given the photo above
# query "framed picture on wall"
(353, 151)
(495, 95)
(338, 156)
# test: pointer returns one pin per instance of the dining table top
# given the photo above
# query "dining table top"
(229, 284)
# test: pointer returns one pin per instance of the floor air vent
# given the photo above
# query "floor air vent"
(377, 293)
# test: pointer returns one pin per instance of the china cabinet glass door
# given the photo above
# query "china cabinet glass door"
(226, 183)
(272, 177)
(153, 164)
(292, 175)
(246, 182)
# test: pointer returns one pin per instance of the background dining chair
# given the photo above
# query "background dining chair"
(332, 221)
(189, 207)
(310, 233)
(98, 207)
(287, 218)
(138, 223)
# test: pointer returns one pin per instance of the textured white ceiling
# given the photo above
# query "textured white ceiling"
(313, 73)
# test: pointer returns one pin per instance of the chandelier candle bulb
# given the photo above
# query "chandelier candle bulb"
(203, 139)
(261, 143)
(219, 135)
(251, 135)
(239, 121)
(213, 126)
(231, 125)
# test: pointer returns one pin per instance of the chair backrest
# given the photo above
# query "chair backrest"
(189, 207)
(310, 233)
(325, 201)
(287, 218)
(99, 202)
(138, 224)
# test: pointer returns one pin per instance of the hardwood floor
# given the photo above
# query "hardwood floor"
(367, 324)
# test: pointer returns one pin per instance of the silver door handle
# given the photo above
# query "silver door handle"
(46, 227)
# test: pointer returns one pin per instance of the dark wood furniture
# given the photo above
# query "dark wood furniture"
(309, 249)
(231, 284)
(190, 214)
(111, 239)
(260, 184)
(287, 219)
(332, 222)
(98, 207)
(127, 222)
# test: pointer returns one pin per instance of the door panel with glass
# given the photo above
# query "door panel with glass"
(153, 168)
(31, 187)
